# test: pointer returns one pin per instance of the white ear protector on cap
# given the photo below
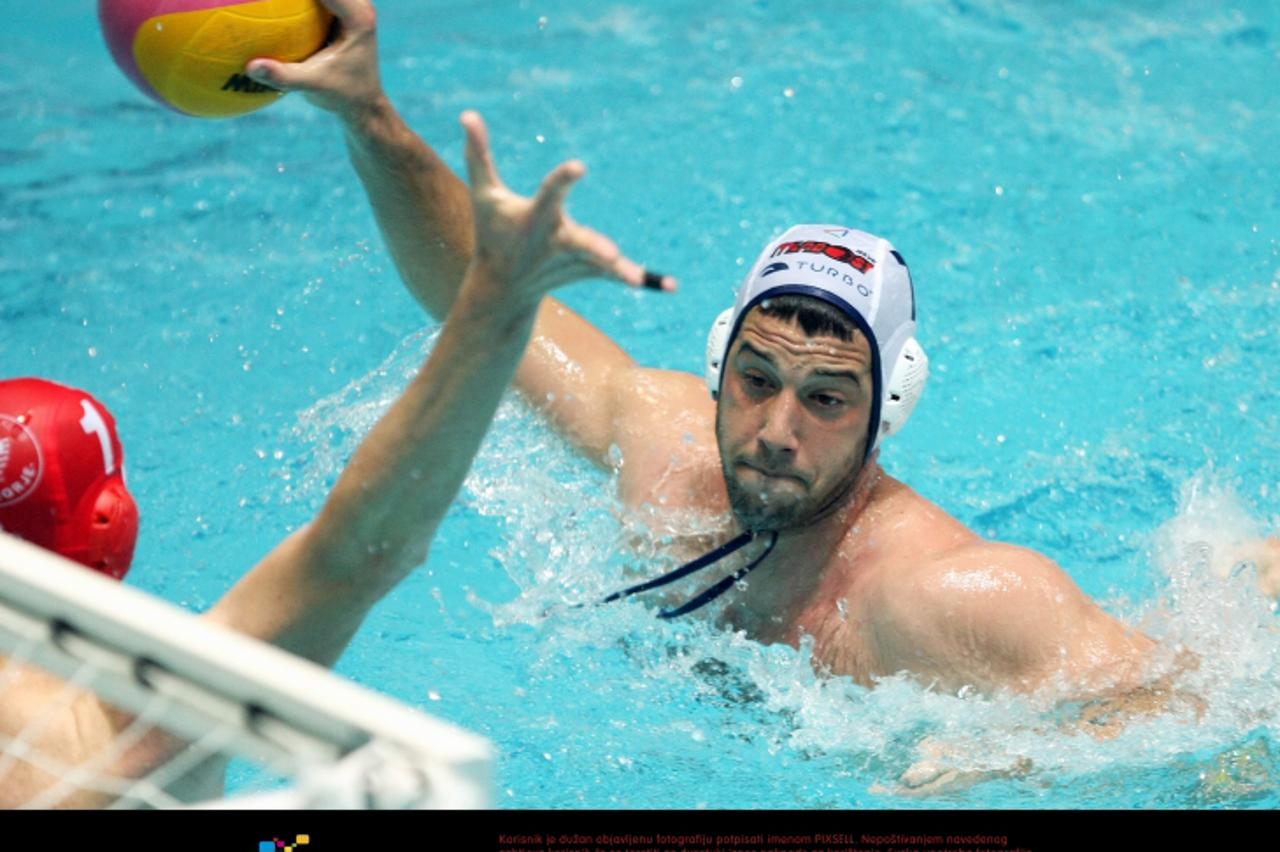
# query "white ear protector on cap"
(906, 386)
(866, 279)
(717, 349)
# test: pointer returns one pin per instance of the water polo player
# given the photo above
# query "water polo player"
(820, 364)
(62, 469)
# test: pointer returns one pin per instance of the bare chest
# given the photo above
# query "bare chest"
(839, 591)
(836, 619)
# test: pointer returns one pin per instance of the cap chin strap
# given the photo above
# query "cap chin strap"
(703, 561)
(726, 549)
(905, 386)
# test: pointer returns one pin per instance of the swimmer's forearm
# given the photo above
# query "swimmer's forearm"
(378, 521)
(422, 207)
(425, 215)
(424, 212)
(404, 477)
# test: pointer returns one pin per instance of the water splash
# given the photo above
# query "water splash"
(688, 700)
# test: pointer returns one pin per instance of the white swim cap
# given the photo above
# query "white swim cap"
(867, 280)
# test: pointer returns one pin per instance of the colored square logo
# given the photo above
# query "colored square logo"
(266, 846)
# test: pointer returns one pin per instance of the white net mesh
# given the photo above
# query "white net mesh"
(110, 697)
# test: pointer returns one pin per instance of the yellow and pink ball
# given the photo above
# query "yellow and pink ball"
(190, 55)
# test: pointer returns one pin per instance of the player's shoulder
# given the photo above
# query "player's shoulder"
(665, 450)
(664, 394)
(911, 529)
(980, 569)
(939, 547)
(987, 613)
(661, 410)
(945, 577)
(67, 724)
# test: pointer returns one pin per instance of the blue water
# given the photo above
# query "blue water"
(1086, 193)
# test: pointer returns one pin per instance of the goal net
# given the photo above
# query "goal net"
(297, 735)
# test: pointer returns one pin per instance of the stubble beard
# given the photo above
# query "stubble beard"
(755, 511)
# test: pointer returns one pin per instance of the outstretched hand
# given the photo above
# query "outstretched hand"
(341, 78)
(940, 770)
(531, 244)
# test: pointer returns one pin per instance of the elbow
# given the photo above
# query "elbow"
(364, 569)
(381, 567)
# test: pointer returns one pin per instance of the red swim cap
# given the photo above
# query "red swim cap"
(62, 475)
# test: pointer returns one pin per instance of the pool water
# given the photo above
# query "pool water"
(1086, 195)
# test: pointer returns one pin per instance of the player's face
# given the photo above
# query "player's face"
(792, 420)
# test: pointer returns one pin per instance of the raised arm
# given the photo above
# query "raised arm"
(422, 207)
(573, 372)
(311, 593)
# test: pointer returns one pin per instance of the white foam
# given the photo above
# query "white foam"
(563, 543)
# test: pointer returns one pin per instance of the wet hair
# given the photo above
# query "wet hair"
(815, 316)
